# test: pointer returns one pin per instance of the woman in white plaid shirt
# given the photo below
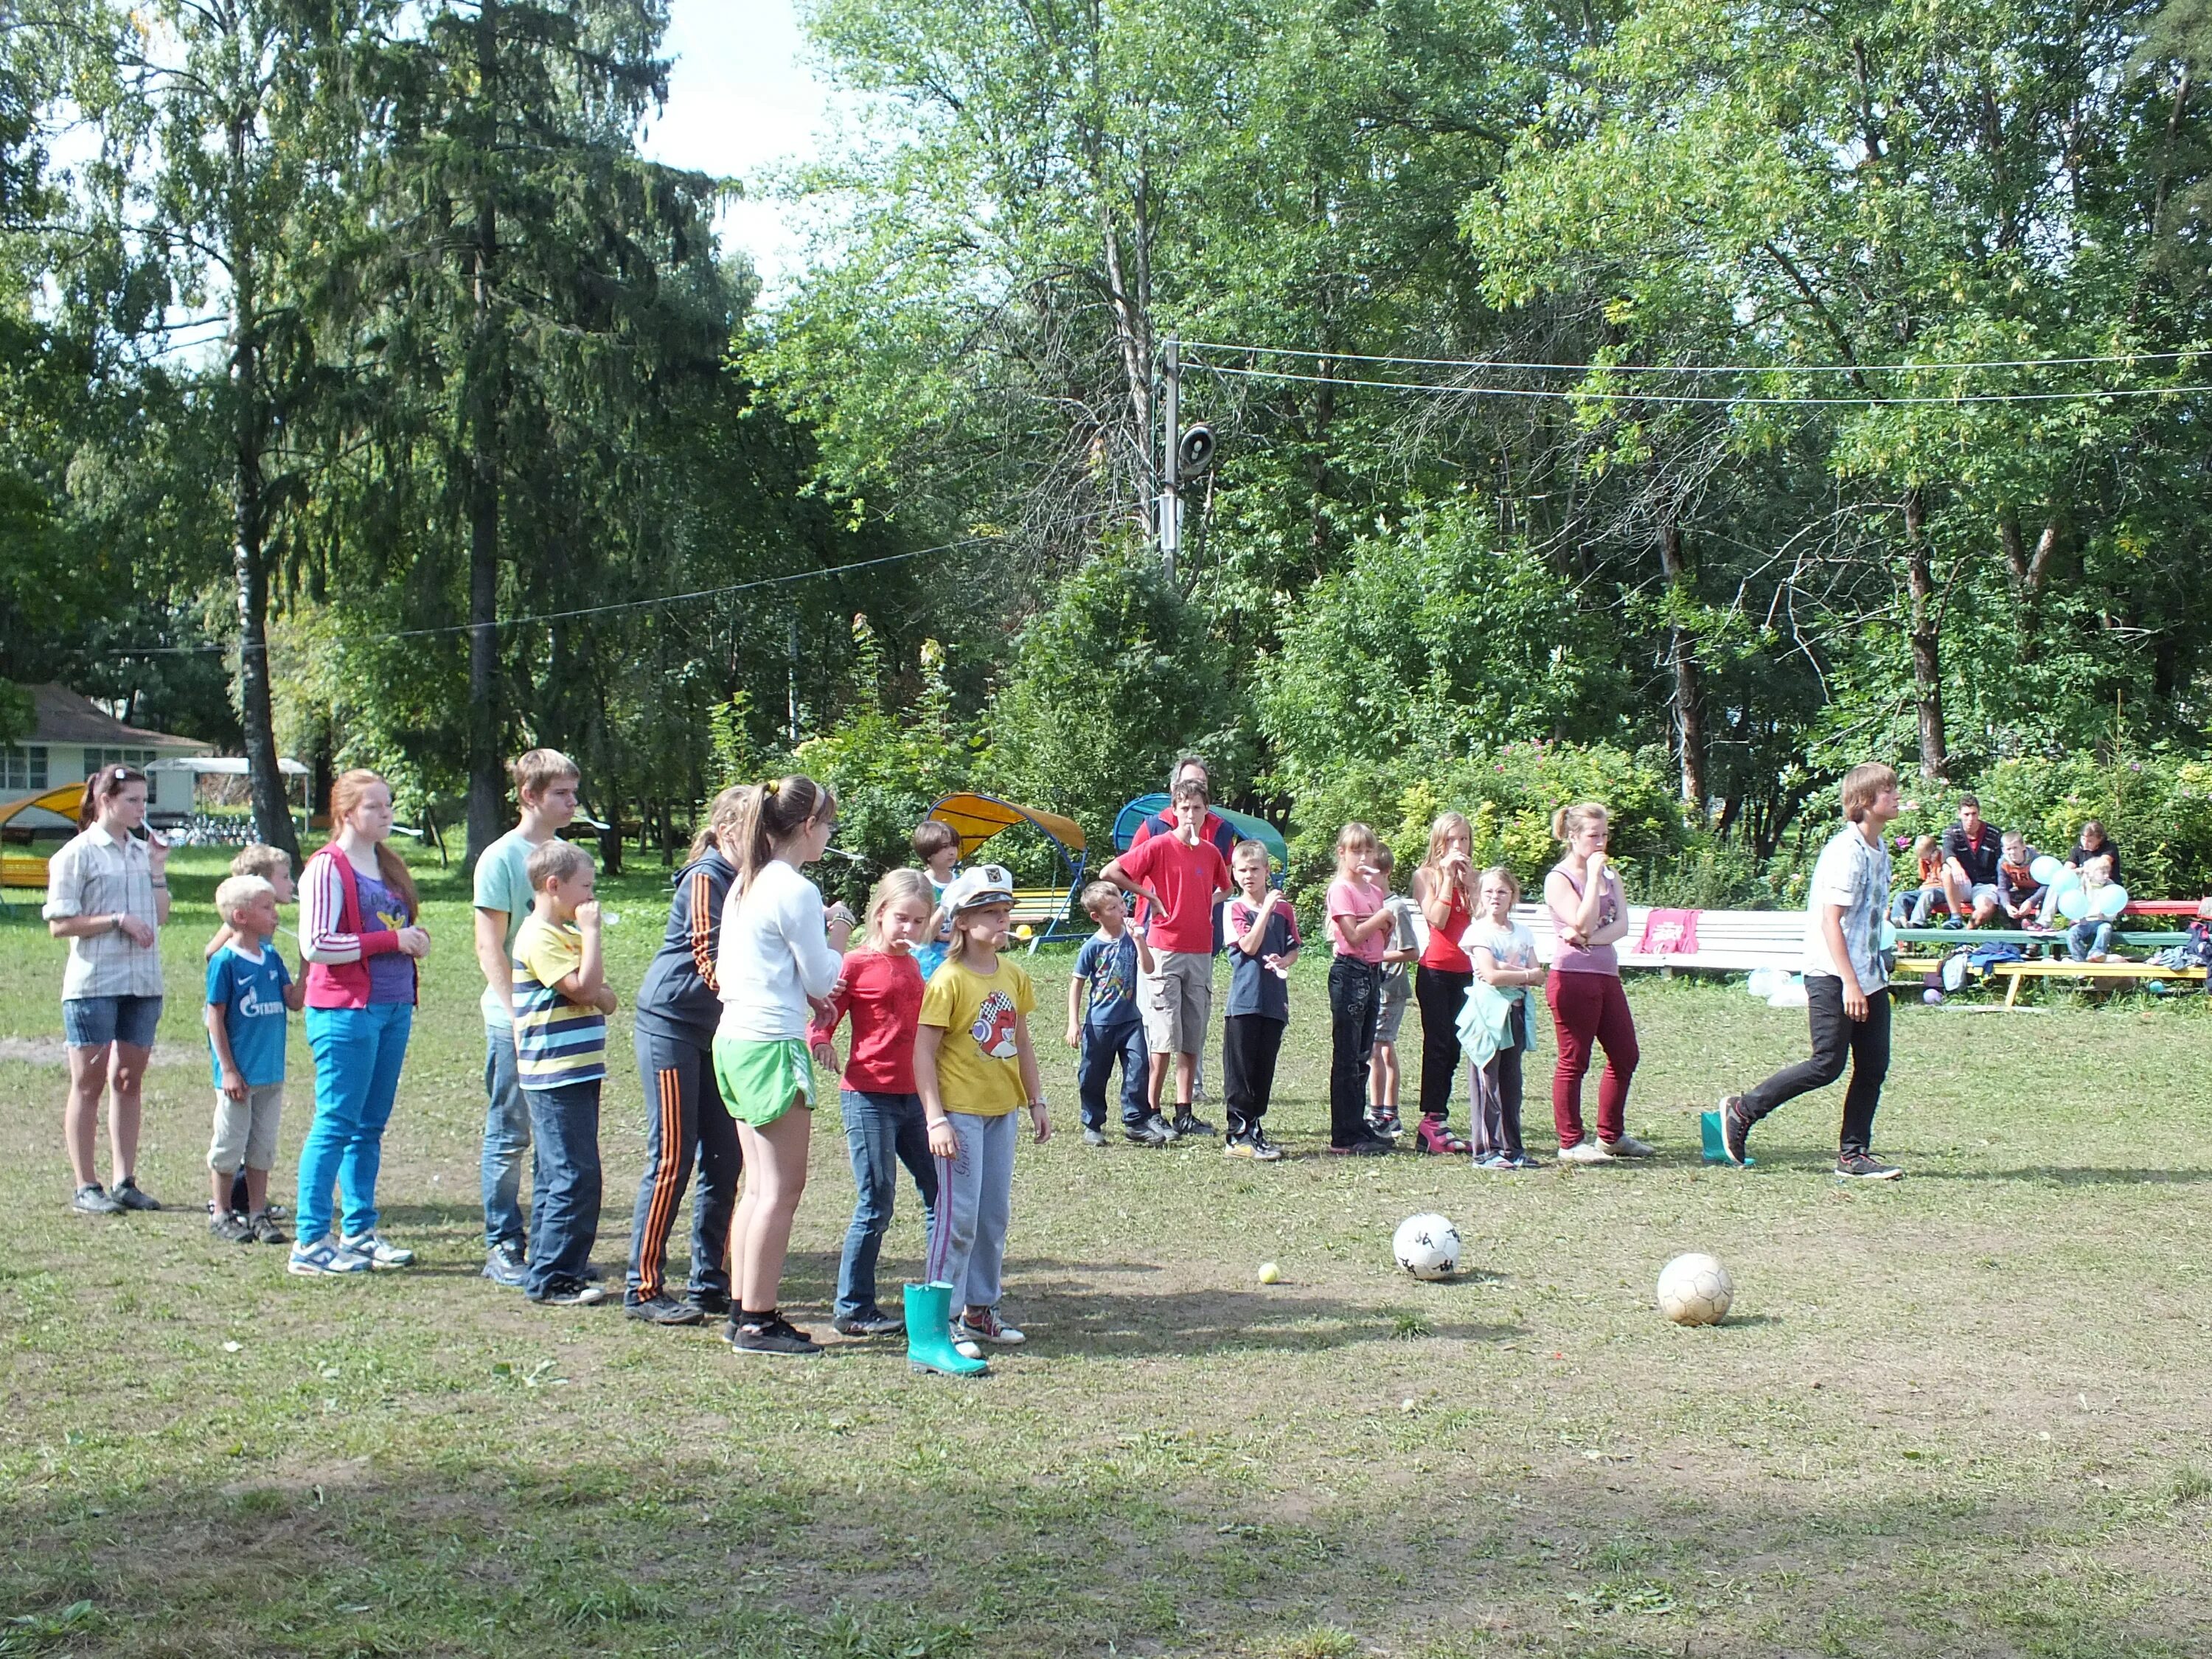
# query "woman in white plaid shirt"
(107, 893)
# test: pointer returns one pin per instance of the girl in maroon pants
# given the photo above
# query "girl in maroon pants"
(1588, 913)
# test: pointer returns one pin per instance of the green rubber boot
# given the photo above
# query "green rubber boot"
(929, 1333)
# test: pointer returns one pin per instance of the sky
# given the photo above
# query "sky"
(741, 99)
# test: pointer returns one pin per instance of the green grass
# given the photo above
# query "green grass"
(1962, 1415)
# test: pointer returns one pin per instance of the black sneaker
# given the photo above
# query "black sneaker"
(94, 1198)
(1734, 1127)
(1185, 1124)
(127, 1194)
(711, 1305)
(231, 1228)
(768, 1334)
(663, 1309)
(1263, 1149)
(868, 1321)
(1365, 1147)
(266, 1230)
(568, 1293)
(1865, 1166)
(1150, 1133)
(1385, 1123)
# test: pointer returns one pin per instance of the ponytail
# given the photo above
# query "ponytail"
(1568, 821)
(107, 782)
(766, 813)
(721, 817)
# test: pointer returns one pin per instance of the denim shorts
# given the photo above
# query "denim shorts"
(95, 1022)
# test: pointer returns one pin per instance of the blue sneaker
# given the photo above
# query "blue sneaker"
(325, 1259)
(377, 1252)
(503, 1265)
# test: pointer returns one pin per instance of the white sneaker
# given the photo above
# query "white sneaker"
(964, 1345)
(989, 1328)
(325, 1259)
(1627, 1146)
(380, 1253)
(1584, 1151)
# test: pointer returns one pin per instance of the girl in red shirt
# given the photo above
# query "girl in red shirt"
(881, 988)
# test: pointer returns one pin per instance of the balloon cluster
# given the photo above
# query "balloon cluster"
(2077, 901)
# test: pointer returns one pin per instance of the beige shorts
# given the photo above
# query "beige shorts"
(1176, 1002)
(246, 1130)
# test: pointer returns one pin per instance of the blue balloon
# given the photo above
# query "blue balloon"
(2045, 869)
(2110, 900)
(2072, 900)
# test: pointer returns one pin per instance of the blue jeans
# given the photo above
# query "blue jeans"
(1094, 1072)
(882, 1132)
(564, 1187)
(505, 1141)
(358, 1053)
(2088, 938)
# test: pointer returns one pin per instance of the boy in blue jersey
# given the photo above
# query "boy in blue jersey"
(561, 1002)
(1109, 1028)
(249, 993)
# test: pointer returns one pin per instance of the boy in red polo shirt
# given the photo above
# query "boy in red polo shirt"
(1179, 876)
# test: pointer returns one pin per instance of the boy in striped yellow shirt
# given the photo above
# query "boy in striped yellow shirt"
(561, 1002)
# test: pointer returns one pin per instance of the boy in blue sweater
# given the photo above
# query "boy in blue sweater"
(1109, 1028)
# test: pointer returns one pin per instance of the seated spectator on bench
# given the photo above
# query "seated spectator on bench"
(1914, 906)
(1972, 851)
(2018, 890)
(2089, 938)
(2093, 843)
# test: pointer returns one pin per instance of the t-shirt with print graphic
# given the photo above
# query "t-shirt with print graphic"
(250, 991)
(978, 1064)
(1109, 965)
(1253, 987)
(391, 973)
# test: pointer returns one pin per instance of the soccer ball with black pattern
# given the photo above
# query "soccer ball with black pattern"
(1427, 1246)
(1695, 1290)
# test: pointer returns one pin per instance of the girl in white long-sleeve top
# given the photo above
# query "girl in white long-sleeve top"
(781, 951)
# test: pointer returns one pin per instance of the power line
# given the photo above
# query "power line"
(1502, 366)
(1867, 401)
(217, 648)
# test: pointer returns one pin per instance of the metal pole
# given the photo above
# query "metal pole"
(1171, 490)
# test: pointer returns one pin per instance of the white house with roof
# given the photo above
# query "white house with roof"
(72, 737)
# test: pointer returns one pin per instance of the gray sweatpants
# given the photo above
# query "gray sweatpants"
(974, 1196)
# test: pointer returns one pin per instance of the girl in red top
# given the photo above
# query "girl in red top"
(881, 988)
(1444, 888)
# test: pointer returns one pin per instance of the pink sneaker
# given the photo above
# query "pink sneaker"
(1433, 1136)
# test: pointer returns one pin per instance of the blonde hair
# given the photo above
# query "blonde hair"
(236, 892)
(556, 860)
(260, 858)
(1863, 783)
(538, 770)
(1442, 829)
(1354, 836)
(720, 818)
(1095, 893)
(1499, 872)
(895, 885)
(1250, 848)
(957, 946)
(1568, 821)
(346, 790)
(768, 813)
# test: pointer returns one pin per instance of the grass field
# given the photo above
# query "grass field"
(1965, 1414)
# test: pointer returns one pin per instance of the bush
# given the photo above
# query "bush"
(1509, 798)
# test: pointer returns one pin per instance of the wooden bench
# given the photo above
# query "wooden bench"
(1729, 941)
(1949, 938)
(1047, 911)
(2018, 972)
(22, 870)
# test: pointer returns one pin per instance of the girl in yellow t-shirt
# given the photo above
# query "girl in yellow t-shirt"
(974, 1069)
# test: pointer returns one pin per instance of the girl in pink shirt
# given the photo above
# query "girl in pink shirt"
(1359, 932)
(1589, 913)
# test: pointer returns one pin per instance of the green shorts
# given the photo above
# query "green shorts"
(762, 1081)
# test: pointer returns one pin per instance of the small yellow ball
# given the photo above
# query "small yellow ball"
(1270, 1273)
(1025, 932)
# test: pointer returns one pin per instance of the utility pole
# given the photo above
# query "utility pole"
(1171, 506)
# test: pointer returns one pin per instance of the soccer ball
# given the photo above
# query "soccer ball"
(1427, 1246)
(1695, 1290)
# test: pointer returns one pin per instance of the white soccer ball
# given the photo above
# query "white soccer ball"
(1427, 1246)
(1695, 1290)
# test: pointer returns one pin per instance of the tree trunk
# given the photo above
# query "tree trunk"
(2029, 572)
(272, 811)
(487, 792)
(1681, 654)
(1927, 659)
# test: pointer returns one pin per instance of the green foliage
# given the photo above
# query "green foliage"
(1509, 797)
(1435, 641)
(1107, 688)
